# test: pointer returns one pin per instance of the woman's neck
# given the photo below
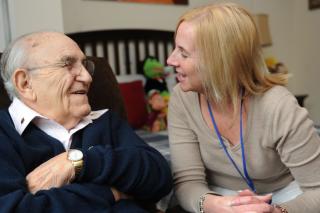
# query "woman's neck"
(227, 118)
(225, 109)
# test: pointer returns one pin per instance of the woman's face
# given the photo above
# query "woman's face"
(184, 58)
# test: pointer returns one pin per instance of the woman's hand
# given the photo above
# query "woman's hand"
(245, 201)
(247, 192)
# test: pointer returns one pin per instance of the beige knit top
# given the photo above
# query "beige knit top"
(280, 142)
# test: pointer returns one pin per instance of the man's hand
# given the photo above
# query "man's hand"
(119, 195)
(56, 172)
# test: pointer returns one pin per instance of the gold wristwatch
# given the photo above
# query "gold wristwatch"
(76, 158)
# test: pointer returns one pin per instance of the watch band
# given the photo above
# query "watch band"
(202, 198)
(77, 166)
(201, 201)
(282, 209)
(75, 156)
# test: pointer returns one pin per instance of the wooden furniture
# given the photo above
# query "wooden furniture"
(125, 49)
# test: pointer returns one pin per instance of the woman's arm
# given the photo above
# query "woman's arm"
(298, 145)
(188, 169)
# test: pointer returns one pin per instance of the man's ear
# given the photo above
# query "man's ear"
(22, 82)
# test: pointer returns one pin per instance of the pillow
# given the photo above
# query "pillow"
(130, 78)
(135, 103)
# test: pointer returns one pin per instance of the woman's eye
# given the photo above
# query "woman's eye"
(184, 55)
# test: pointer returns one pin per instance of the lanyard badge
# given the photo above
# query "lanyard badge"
(245, 174)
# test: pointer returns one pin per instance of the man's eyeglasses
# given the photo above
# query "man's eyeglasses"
(72, 67)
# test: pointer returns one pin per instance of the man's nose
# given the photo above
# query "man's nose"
(84, 76)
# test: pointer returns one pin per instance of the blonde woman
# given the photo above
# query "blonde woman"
(239, 140)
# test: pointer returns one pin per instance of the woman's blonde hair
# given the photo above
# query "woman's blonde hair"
(229, 54)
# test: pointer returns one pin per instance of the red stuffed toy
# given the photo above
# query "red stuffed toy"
(157, 118)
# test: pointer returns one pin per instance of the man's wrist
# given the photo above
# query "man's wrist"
(76, 158)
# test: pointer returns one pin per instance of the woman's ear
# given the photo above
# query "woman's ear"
(22, 82)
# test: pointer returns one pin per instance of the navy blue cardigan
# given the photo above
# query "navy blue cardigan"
(113, 156)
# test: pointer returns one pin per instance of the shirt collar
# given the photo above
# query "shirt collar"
(22, 115)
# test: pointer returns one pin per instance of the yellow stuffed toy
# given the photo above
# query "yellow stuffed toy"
(274, 66)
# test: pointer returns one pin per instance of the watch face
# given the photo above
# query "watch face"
(75, 155)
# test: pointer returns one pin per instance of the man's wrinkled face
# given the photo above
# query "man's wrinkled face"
(62, 84)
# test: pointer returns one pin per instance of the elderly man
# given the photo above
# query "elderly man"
(55, 154)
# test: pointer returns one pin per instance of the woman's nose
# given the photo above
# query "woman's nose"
(171, 60)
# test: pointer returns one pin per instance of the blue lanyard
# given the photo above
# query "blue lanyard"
(245, 176)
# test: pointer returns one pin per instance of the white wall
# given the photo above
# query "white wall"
(4, 35)
(2, 32)
(295, 33)
(34, 15)
(306, 59)
(82, 15)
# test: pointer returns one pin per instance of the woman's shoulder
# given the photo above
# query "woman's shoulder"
(275, 94)
(277, 97)
(278, 90)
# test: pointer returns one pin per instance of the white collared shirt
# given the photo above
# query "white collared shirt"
(22, 115)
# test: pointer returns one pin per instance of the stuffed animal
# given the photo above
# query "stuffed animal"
(157, 117)
(274, 66)
(157, 94)
(155, 75)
